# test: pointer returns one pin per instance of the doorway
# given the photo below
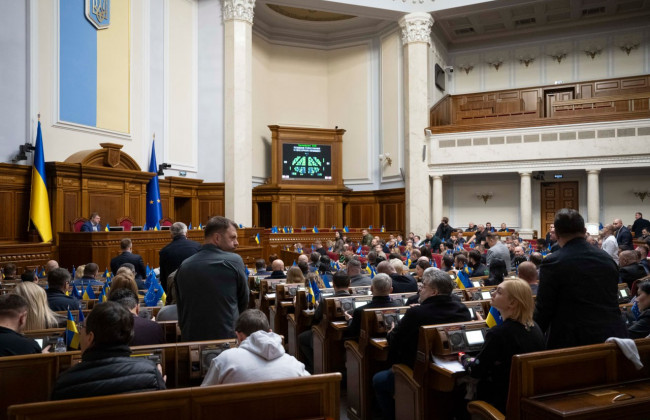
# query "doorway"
(553, 95)
(556, 196)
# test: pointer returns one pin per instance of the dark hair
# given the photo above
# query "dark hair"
(492, 235)
(341, 280)
(475, 255)
(423, 264)
(314, 257)
(57, 278)
(425, 252)
(218, 224)
(536, 258)
(28, 275)
(497, 272)
(125, 243)
(461, 258)
(111, 324)
(250, 321)
(124, 297)
(10, 269)
(394, 256)
(260, 264)
(568, 222)
(519, 259)
(644, 286)
(93, 214)
(91, 269)
(448, 260)
(11, 305)
(304, 267)
(130, 266)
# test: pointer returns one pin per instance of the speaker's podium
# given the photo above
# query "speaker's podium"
(306, 185)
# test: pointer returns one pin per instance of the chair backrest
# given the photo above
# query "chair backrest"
(126, 222)
(166, 221)
(76, 224)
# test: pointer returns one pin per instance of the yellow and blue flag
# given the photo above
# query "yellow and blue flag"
(494, 317)
(154, 207)
(257, 238)
(459, 283)
(80, 318)
(89, 293)
(71, 332)
(383, 229)
(75, 293)
(310, 294)
(107, 228)
(39, 207)
(326, 281)
(346, 229)
(464, 278)
(315, 229)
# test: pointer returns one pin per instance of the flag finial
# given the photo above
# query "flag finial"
(154, 136)
(39, 116)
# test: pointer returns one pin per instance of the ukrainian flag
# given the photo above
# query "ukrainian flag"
(459, 283)
(89, 293)
(71, 332)
(257, 238)
(383, 229)
(464, 278)
(493, 318)
(315, 229)
(346, 229)
(310, 294)
(39, 208)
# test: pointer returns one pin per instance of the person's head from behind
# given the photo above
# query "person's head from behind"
(79, 272)
(397, 264)
(354, 267)
(222, 233)
(435, 282)
(448, 261)
(58, 279)
(40, 315)
(90, 270)
(314, 257)
(178, 229)
(108, 324)
(626, 258)
(294, 275)
(569, 224)
(126, 244)
(28, 276)
(340, 280)
(123, 281)
(277, 265)
(536, 258)
(514, 299)
(474, 257)
(126, 298)
(497, 271)
(527, 271)
(304, 267)
(325, 261)
(382, 285)
(260, 264)
(127, 269)
(13, 312)
(51, 265)
(385, 267)
(643, 295)
(9, 270)
(303, 257)
(249, 322)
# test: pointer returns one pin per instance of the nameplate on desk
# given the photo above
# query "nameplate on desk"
(270, 296)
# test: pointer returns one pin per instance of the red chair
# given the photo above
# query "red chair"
(333, 256)
(166, 221)
(126, 222)
(77, 223)
(438, 259)
(365, 249)
(402, 249)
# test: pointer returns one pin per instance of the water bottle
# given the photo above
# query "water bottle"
(59, 346)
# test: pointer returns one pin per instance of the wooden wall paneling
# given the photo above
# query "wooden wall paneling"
(7, 218)
(210, 198)
(307, 214)
(71, 208)
(15, 187)
(283, 215)
(109, 206)
(21, 214)
(134, 209)
(531, 99)
(330, 215)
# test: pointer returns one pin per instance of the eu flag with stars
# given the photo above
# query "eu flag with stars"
(154, 208)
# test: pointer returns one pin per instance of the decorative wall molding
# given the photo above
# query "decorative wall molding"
(416, 27)
(238, 10)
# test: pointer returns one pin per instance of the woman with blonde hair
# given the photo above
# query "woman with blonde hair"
(314, 277)
(517, 334)
(294, 275)
(39, 314)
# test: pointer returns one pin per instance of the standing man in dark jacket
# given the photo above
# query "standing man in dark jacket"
(106, 366)
(444, 230)
(212, 286)
(57, 285)
(577, 299)
(129, 257)
(174, 253)
(639, 224)
(436, 307)
(623, 236)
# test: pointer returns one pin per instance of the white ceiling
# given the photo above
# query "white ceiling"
(474, 23)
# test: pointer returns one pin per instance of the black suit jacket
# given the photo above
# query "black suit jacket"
(631, 272)
(638, 226)
(172, 255)
(440, 309)
(129, 257)
(88, 227)
(624, 238)
(403, 283)
(577, 299)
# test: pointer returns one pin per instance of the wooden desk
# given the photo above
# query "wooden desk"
(77, 248)
(25, 255)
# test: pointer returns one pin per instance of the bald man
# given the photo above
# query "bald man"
(623, 236)
(528, 272)
(402, 283)
(278, 270)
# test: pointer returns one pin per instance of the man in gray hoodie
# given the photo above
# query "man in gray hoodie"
(260, 355)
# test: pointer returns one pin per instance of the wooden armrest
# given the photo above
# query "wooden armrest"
(353, 347)
(406, 374)
(483, 410)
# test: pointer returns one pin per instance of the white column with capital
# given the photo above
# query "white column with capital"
(525, 206)
(416, 30)
(593, 197)
(238, 109)
(437, 198)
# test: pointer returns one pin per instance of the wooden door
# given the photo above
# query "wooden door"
(550, 96)
(556, 196)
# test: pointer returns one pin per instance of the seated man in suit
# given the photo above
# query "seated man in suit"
(260, 355)
(106, 366)
(402, 283)
(13, 319)
(382, 286)
(57, 285)
(92, 225)
(278, 270)
(128, 257)
(90, 273)
(145, 331)
(355, 275)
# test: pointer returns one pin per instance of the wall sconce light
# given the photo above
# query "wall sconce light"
(485, 196)
(466, 67)
(642, 194)
(526, 60)
(558, 56)
(593, 51)
(496, 63)
(629, 46)
(385, 157)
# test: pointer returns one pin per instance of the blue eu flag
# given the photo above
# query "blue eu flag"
(154, 208)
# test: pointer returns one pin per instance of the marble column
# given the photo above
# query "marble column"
(593, 197)
(525, 206)
(416, 30)
(238, 109)
(437, 198)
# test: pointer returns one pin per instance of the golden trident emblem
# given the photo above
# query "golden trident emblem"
(100, 10)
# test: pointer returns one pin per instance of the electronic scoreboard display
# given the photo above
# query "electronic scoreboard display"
(306, 162)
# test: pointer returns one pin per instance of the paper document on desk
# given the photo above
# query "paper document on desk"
(452, 365)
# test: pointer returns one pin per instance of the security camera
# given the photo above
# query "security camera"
(449, 69)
